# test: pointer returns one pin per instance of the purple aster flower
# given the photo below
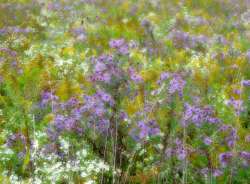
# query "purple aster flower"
(134, 76)
(225, 158)
(124, 50)
(103, 125)
(198, 115)
(77, 113)
(246, 157)
(181, 154)
(52, 134)
(147, 129)
(237, 91)
(69, 124)
(120, 45)
(47, 97)
(180, 39)
(100, 67)
(59, 122)
(208, 141)
(15, 138)
(116, 43)
(144, 129)
(245, 83)
(176, 84)
(164, 76)
(105, 97)
(72, 102)
(123, 115)
(217, 172)
(237, 105)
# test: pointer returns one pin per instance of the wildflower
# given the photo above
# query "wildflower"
(246, 82)
(134, 76)
(225, 158)
(176, 84)
(164, 76)
(59, 122)
(198, 115)
(181, 154)
(149, 128)
(217, 172)
(120, 45)
(236, 104)
(207, 140)
(105, 97)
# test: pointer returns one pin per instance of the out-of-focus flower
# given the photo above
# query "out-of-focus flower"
(237, 105)
(145, 129)
(120, 45)
(246, 82)
(225, 158)
(198, 115)
(134, 76)
(207, 141)
(176, 84)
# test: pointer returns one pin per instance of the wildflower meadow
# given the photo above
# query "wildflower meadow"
(124, 92)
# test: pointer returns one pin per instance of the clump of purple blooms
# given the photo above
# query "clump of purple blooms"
(198, 115)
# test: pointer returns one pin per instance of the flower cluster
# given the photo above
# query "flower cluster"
(120, 45)
(144, 130)
(198, 115)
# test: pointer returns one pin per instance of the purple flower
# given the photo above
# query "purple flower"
(70, 124)
(116, 43)
(77, 113)
(59, 122)
(237, 91)
(176, 84)
(47, 97)
(105, 97)
(237, 105)
(225, 158)
(16, 138)
(181, 154)
(144, 129)
(135, 77)
(100, 67)
(164, 76)
(208, 141)
(103, 125)
(198, 115)
(149, 128)
(217, 172)
(52, 134)
(246, 157)
(124, 50)
(245, 82)
(72, 102)
(120, 45)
